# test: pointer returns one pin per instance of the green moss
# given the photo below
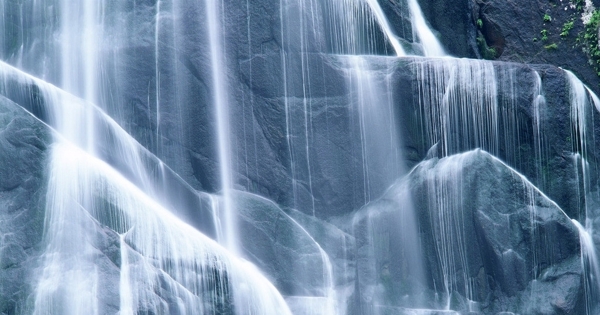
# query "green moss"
(486, 52)
(567, 27)
(479, 23)
(547, 18)
(552, 46)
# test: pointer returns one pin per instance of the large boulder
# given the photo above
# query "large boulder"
(281, 248)
(484, 240)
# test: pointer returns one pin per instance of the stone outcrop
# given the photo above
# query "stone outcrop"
(486, 241)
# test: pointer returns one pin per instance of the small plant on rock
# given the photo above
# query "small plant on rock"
(486, 52)
(567, 27)
(544, 34)
(547, 18)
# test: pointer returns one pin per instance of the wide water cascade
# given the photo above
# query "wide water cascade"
(307, 157)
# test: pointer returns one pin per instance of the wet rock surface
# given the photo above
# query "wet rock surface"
(490, 242)
(23, 158)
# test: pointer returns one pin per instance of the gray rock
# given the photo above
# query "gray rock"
(281, 248)
(487, 241)
(23, 157)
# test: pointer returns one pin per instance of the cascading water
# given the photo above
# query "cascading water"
(452, 92)
(162, 252)
(430, 45)
(539, 102)
(222, 116)
(84, 192)
(590, 263)
(583, 105)
(164, 110)
(373, 99)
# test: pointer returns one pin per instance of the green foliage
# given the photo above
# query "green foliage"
(567, 27)
(544, 34)
(479, 23)
(552, 46)
(590, 41)
(547, 18)
(486, 52)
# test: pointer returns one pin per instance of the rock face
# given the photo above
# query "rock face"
(486, 240)
(323, 127)
(301, 272)
(273, 115)
(530, 32)
(23, 158)
(281, 248)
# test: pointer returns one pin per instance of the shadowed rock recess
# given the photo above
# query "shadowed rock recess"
(306, 157)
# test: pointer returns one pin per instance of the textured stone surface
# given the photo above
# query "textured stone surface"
(280, 247)
(514, 29)
(481, 226)
(23, 148)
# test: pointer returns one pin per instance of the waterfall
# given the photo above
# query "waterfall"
(590, 263)
(383, 23)
(162, 251)
(583, 105)
(452, 92)
(222, 115)
(374, 101)
(85, 192)
(539, 102)
(431, 45)
(306, 157)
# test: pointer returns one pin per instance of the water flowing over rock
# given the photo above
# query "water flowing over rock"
(470, 234)
(306, 157)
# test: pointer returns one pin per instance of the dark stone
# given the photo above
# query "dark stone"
(514, 29)
(454, 24)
